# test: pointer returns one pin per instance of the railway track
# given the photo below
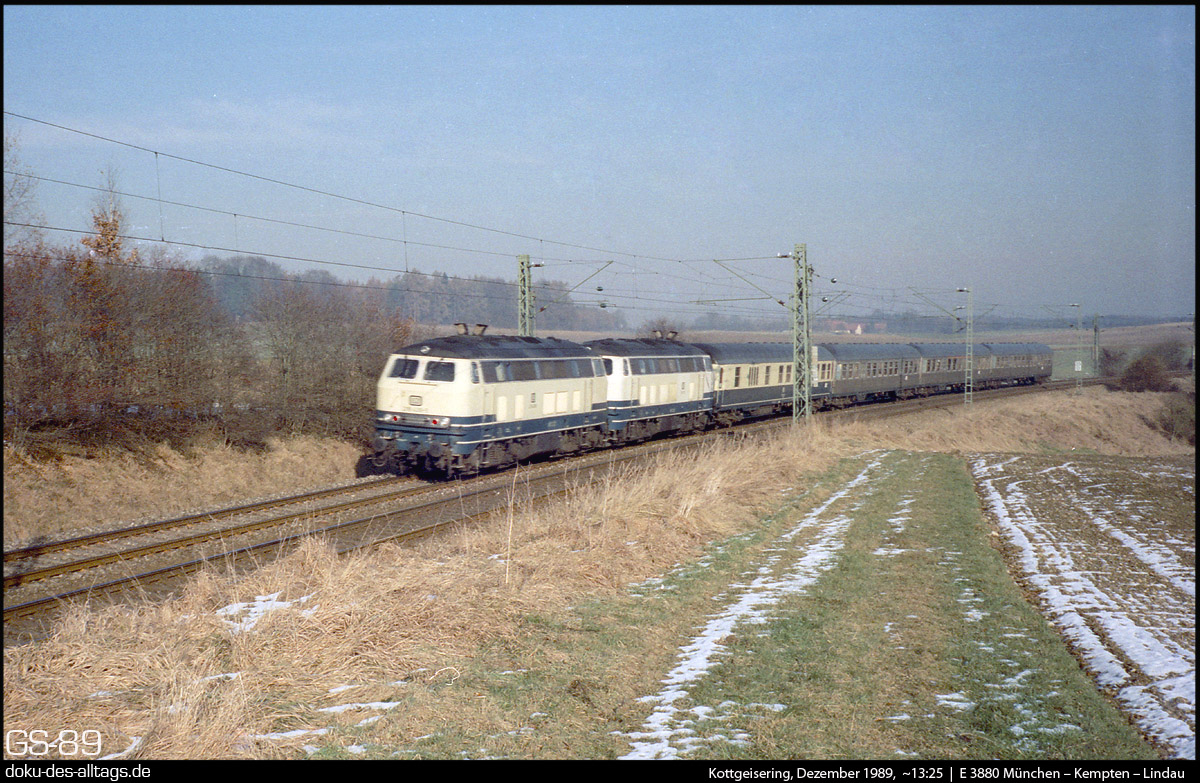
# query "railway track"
(149, 560)
(141, 571)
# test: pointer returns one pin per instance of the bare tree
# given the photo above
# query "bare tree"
(98, 278)
(20, 199)
(659, 327)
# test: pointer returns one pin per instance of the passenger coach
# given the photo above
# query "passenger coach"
(863, 372)
(1015, 363)
(751, 380)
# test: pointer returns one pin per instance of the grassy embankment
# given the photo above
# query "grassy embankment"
(523, 639)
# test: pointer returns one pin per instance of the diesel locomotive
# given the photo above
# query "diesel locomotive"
(453, 406)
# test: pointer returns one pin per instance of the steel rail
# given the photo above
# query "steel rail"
(15, 580)
(279, 545)
(191, 519)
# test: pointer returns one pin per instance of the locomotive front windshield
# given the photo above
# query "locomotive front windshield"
(409, 369)
(404, 368)
(439, 371)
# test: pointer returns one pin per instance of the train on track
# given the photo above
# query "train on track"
(455, 406)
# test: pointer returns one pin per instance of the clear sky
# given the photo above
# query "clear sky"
(1041, 156)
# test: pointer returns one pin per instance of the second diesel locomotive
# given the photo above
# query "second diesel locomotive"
(457, 405)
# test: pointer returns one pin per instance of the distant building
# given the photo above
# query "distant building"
(851, 327)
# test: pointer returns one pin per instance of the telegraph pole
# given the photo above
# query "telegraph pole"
(524, 298)
(801, 338)
(969, 372)
(969, 383)
(1079, 350)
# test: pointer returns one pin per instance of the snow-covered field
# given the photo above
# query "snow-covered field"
(1108, 545)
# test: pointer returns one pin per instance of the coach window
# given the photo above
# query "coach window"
(474, 372)
(439, 371)
(608, 366)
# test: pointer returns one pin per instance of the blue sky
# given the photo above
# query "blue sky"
(1042, 156)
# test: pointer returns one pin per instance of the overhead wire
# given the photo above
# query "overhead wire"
(404, 213)
(700, 269)
(558, 262)
(317, 191)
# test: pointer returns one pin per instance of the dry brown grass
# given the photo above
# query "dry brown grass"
(75, 494)
(419, 615)
(1098, 420)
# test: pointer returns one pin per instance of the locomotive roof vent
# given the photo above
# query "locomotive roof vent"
(480, 329)
(460, 327)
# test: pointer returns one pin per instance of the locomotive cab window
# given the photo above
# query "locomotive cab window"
(439, 371)
(404, 368)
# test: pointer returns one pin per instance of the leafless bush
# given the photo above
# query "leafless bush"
(1177, 419)
(1112, 360)
(1148, 373)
